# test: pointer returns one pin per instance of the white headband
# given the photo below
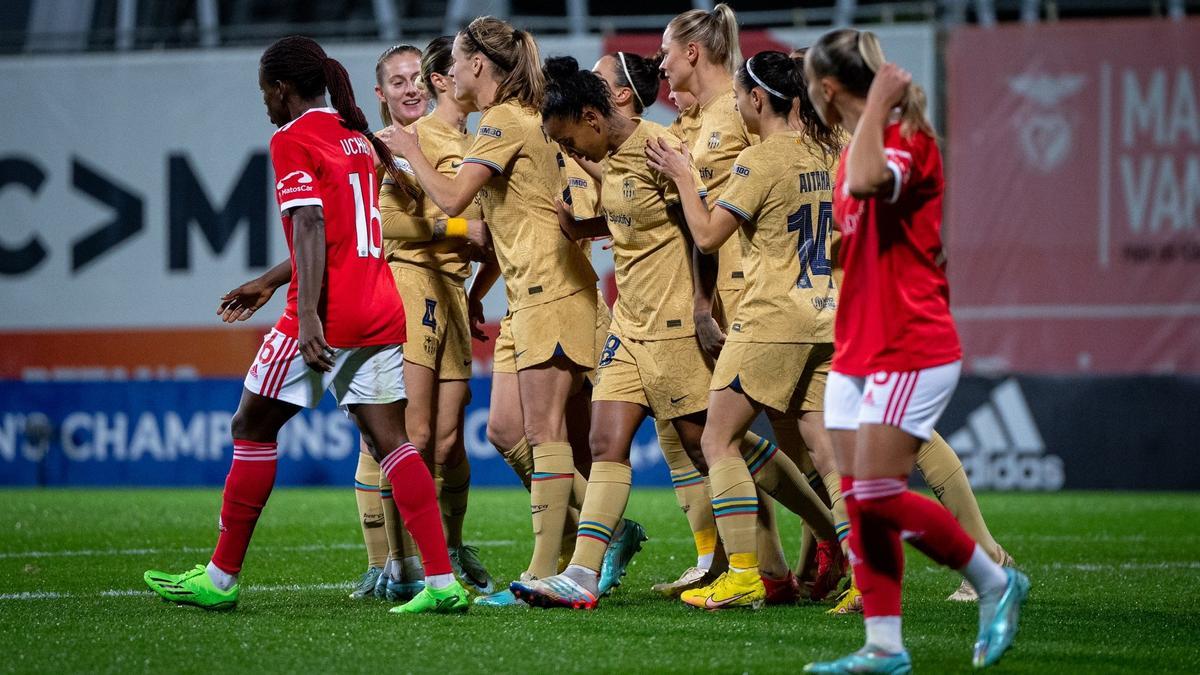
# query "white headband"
(621, 56)
(750, 72)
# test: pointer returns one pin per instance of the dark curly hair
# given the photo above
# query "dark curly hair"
(640, 74)
(569, 90)
(785, 75)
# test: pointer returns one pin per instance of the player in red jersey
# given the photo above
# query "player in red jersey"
(897, 355)
(343, 327)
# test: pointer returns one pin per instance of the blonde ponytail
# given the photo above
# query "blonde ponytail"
(716, 31)
(515, 58)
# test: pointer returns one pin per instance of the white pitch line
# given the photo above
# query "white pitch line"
(307, 588)
(109, 552)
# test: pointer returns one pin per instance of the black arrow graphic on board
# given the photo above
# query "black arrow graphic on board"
(129, 218)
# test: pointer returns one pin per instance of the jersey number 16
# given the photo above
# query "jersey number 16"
(369, 233)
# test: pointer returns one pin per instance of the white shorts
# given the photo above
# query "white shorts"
(912, 401)
(360, 374)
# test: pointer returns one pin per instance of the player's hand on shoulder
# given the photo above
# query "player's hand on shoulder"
(317, 353)
(241, 303)
(889, 86)
(671, 160)
(401, 142)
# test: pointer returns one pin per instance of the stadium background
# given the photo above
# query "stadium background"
(135, 189)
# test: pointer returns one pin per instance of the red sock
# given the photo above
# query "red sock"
(416, 500)
(875, 553)
(922, 522)
(247, 487)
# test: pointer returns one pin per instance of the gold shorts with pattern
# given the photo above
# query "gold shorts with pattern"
(788, 377)
(503, 360)
(562, 327)
(603, 323)
(670, 377)
(435, 310)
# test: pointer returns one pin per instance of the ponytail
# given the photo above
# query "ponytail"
(853, 57)
(341, 94)
(516, 61)
(641, 75)
(716, 31)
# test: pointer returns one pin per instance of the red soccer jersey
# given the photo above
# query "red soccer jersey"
(894, 308)
(318, 162)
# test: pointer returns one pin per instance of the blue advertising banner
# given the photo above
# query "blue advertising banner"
(176, 433)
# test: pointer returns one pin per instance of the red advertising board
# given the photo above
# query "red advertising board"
(1073, 217)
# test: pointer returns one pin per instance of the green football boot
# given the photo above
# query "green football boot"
(449, 600)
(192, 588)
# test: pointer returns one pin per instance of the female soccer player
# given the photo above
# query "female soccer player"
(430, 276)
(343, 327)
(633, 83)
(776, 358)
(700, 53)
(393, 566)
(551, 287)
(897, 354)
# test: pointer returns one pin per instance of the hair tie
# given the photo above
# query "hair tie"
(624, 67)
(495, 58)
(750, 72)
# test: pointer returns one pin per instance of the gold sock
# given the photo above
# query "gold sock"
(370, 509)
(579, 486)
(943, 472)
(520, 458)
(454, 490)
(841, 520)
(778, 476)
(690, 491)
(550, 493)
(608, 494)
(771, 560)
(735, 507)
(393, 525)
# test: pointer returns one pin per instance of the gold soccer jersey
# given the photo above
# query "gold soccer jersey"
(539, 264)
(651, 255)
(782, 188)
(721, 136)
(444, 146)
(686, 124)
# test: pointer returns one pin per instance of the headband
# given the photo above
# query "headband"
(750, 72)
(621, 56)
(496, 58)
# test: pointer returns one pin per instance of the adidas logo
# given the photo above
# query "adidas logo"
(1001, 446)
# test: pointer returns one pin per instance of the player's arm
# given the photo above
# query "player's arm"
(242, 302)
(705, 269)
(452, 195)
(308, 245)
(709, 230)
(485, 278)
(868, 172)
(576, 229)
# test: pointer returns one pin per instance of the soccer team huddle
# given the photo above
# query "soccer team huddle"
(776, 249)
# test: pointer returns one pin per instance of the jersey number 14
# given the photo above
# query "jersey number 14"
(369, 232)
(812, 245)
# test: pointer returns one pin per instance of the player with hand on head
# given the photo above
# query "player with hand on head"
(343, 328)
(893, 371)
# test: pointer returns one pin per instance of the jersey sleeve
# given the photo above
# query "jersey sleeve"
(905, 159)
(295, 172)
(748, 186)
(498, 140)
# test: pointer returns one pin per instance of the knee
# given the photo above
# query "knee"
(448, 449)
(238, 427)
(606, 447)
(419, 435)
(539, 431)
(502, 435)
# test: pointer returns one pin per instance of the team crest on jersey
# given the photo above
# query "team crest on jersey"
(490, 131)
(403, 165)
(714, 140)
(741, 170)
(627, 189)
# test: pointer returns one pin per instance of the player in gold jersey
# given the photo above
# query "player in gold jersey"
(700, 52)
(513, 167)
(391, 553)
(633, 83)
(430, 270)
(777, 355)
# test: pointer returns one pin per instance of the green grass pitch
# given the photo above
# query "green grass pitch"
(1116, 583)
